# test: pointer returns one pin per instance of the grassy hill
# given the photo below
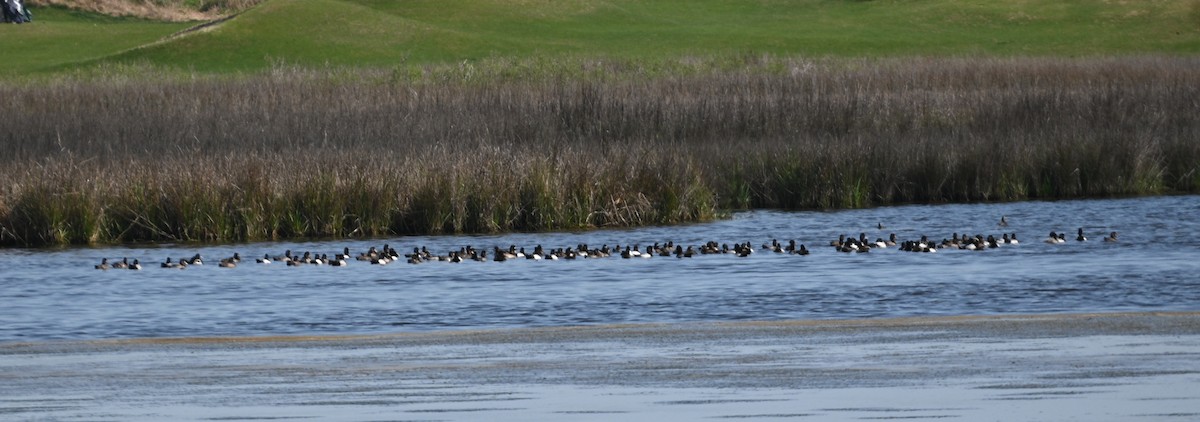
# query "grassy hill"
(385, 33)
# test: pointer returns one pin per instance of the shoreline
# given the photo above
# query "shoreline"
(598, 329)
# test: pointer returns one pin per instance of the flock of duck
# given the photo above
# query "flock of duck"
(386, 254)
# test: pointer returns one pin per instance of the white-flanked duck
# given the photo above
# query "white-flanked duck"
(1080, 237)
(1052, 239)
(183, 263)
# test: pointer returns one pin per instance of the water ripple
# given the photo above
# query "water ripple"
(55, 294)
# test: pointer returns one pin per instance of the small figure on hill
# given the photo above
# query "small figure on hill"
(15, 11)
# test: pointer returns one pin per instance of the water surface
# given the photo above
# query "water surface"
(57, 294)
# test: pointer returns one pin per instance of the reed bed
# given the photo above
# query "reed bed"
(499, 145)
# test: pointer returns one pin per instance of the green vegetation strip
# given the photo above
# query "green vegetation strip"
(507, 145)
(387, 33)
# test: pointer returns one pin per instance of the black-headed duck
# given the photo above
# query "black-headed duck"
(839, 243)
(1052, 239)
(103, 265)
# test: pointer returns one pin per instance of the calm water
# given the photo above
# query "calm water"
(1156, 266)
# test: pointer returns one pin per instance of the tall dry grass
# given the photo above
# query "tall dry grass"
(499, 145)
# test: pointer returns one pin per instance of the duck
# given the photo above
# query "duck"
(229, 262)
(1052, 239)
(891, 240)
(479, 256)
(1112, 237)
(136, 265)
(1003, 222)
(369, 255)
(802, 251)
(339, 260)
(1080, 237)
(169, 264)
(123, 265)
(266, 259)
(103, 264)
(837, 244)
(195, 260)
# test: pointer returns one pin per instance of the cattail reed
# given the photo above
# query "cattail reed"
(500, 145)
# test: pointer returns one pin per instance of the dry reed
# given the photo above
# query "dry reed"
(500, 146)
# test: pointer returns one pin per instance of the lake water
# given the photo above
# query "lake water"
(56, 294)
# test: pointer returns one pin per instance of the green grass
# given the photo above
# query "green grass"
(60, 39)
(383, 33)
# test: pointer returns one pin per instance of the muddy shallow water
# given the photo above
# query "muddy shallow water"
(1094, 367)
(56, 294)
